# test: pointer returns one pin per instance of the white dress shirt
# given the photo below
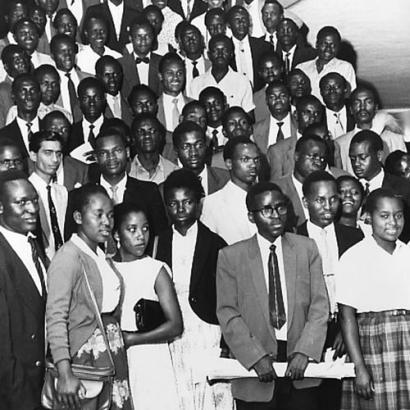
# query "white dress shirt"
(114, 102)
(96, 130)
(22, 247)
(169, 107)
(336, 122)
(225, 213)
(115, 192)
(290, 54)
(274, 128)
(190, 66)
(59, 195)
(335, 65)
(243, 57)
(49, 23)
(35, 127)
(116, 13)
(370, 279)
(222, 140)
(326, 242)
(274, 38)
(298, 186)
(87, 57)
(42, 111)
(65, 96)
(111, 288)
(39, 59)
(264, 247)
(237, 89)
(203, 176)
(143, 69)
(375, 183)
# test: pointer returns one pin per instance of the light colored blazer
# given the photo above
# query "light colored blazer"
(243, 308)
(70, 316)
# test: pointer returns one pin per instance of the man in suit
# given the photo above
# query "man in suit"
(188, 10)
(247, 50)
(26, 95)
(190, 145)
(15, 62)
(22, 296)
(321, 199)
(363, 107)
(280, 124)
(270, 68)
(280, 156)
(272, 14)
(46, 154)
(335, 90)
(119, 17)
(109, 71)
(93, 103)
(71, 172)
(272, 307)
(366, 155)
(141, 66)
(171, 74)
(183, 193)
(63, 50)
(290, 45)
(310, 155)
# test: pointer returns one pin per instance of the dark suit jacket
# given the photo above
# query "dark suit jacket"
(128, 16)
(346, 236)
(302, 53)
(13, 131)
(126, 113)
(22, 338)
(199, 7)
(131, 77)
(161, 111)
(402, 187)
(258, 47)
(75, 172)
(243, 308)
(76, 136)
(5, 100)
(217, 179)
(202, 287)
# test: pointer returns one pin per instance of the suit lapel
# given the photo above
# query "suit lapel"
(199, 259)
(290, 265)
(161, 111)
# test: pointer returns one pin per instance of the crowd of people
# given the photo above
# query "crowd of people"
(203, 160)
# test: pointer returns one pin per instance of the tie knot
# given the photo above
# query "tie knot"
(215, 133)
(92, 126)
(280, 123)
(140, 60)
(49, 187)
(194, 63)
(68, 75)
(272, 248)
(175, 101)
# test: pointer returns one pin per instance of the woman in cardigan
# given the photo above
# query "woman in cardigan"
(72, 327)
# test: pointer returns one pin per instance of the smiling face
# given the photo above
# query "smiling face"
(133, 235)
(19, 206)
(322, 203)
(112, 155)
(26, 36)
(351, 196)
(173, 77)
(18, 63)
(327, 47)
(67, 24)
(96, 33)
(182, 207)
(387, 221)
(96, 220)
(64, 54)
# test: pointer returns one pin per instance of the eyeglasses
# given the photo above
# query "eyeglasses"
(8, 163)
(267, 211)
(315, 157)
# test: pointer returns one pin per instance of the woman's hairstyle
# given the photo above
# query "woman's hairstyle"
(121, 211)
(377, 194)
(184, 178)
(81, 197)
(392, 164)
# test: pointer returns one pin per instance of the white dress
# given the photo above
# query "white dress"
(198, 341)
(151, 373)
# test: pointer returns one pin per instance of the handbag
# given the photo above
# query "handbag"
(148, 315)
(94, 379)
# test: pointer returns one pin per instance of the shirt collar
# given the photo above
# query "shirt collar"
(265, 244)
(80, 243)
(22, 123)
(97, 123)
(7, 233)
(191, 232)
(375, 182)
(311, 227)
(167, 97)
(121, 185)
(38, 180)
(290, 52)
(340, 112)
(159, 167)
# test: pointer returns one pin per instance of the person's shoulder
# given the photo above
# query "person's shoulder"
(214, 237)
(145, 185)
(348, 231)
(238, 247)
(299, 240)
(216, 196)
(221, 173)
(345, 138)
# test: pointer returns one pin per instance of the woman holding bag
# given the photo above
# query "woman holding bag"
(84, 287)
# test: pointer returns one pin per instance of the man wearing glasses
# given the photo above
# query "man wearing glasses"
(224, 212)
(10, 156)
(272, 306)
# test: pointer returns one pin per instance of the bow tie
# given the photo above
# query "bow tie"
(139, 60)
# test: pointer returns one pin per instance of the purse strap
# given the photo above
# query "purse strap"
(99, 320)
(155, 247)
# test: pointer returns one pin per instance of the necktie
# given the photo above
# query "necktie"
(91, 136)
(214, 141)
(74, 103)
(175, 113)
(276, 304)
(37, 264)
(195, 72)
(140, 60)
(339, 130)
(58, 240)
(114, 190)
(29, 132)
(271, 39)
(287, 63)
(366, 189)
(188, 12)
(280, 136)
(117, 106)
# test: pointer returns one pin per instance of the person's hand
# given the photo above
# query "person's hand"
(128, 338)
(363, 383)
(69, 391)
(339, 346)
(297, 366)
(264, 369)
